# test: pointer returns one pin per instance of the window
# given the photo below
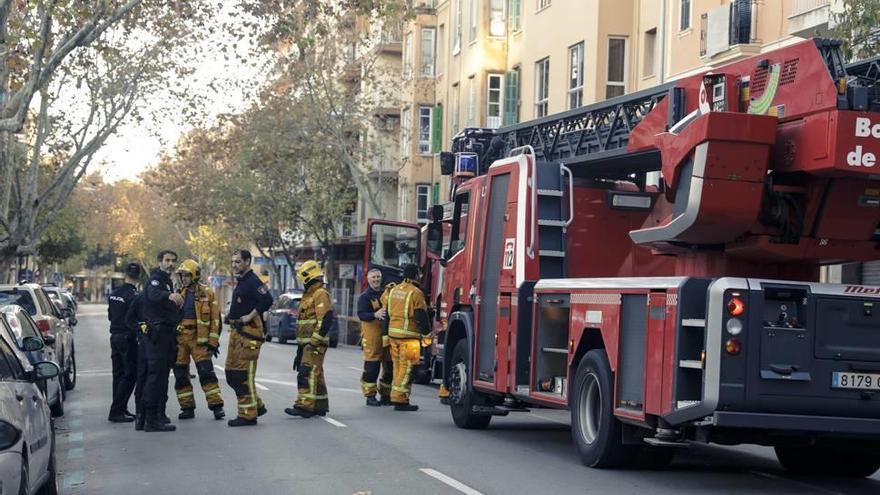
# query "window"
(543, 4)
(441, 43)
(472, 102)
(494, 103)
(424, 130)
(685, 15)
(514, 15)
(6, 372)
(423, 199)
(20, 297)
(650, 50)
(497, 26)
(542, 87)
(616, 83)
(456, 109)
(14, 370)
(426, 67)
(576, 75)
(407, 55)
(405, 132)
(511, 97)
(456, 44)
(393, 246)
(458, 235)
(474, 17)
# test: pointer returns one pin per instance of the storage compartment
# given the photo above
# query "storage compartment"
(551, 344)
(690, 342)
(631, 365)
(848, 329)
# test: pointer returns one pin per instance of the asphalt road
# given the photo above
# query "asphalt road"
(357, 449)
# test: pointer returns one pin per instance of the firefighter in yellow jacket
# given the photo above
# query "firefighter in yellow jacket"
(407, 322)
(376, 356)
(312, 336)
(198, 338)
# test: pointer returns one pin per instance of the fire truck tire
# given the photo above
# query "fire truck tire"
(461, 399)
(596, 432)
(818, 460)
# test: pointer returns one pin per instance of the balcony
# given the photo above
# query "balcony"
(728, 31)
(809, 17)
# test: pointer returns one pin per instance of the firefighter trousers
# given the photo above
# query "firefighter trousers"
(310, 386)
(188, 348)
(241, 368)
(405, 354)
(376, 357)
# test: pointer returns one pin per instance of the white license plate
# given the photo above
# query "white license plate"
(860, 381)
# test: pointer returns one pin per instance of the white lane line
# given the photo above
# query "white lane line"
(359, 370)
(261, 387)
(333, 422)
(801, 483)
(221, 368)
(458, 485)
(545, 418)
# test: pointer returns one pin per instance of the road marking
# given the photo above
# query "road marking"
(545, 418)
(458, 485)
(349, 390)
(805, 485)
(75, 437)
(76, 453)
(221, 368)
(333, 422)
(261, 387)
(73, 479)
(359, 370)
(76, 424)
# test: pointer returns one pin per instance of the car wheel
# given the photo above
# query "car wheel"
(57, 409)
(23, 485)
(461, 399)
(51, 485)
(70, 373)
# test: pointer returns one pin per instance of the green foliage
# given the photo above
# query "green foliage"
(858, 24)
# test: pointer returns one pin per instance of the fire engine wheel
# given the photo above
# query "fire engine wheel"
(818, 460)
(461, 399)
(595, 430)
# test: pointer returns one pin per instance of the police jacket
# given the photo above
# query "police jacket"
(135, 315)
(117, 307)
(250, 293)
(407, 311)
(157, 307)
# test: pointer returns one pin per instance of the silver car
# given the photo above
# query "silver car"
(18, 327)
(27, 435)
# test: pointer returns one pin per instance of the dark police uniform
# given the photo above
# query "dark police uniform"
(245, 341)
(376, 356)
(133, 320)
(123, 348)
(162, 316)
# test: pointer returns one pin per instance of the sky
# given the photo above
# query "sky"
(134, 148)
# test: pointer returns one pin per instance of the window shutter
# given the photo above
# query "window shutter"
(437, 129)
(511, 97)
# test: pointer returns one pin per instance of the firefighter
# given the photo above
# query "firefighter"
(198, 337)
(312, 328)
(376, 356)
(161, 312)
(249, 300)
(123, 345)
(407, 322)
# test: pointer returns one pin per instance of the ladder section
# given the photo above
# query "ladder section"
(551, 216)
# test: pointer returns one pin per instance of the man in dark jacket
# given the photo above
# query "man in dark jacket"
(376, 355)
(123, 345)
(134, 320)
(162, 314)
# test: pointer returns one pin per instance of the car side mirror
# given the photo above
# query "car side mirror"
(73, 321)
(45, 370)
(435, 238)
(32, 344)
(49, 339)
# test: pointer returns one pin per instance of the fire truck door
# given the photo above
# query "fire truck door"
(487, 310)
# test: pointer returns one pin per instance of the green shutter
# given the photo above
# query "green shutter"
(435, 194)
(513, 12)
(437, 129)
(511, 97)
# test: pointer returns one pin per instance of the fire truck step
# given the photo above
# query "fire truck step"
(693, 322)
(656, 442)
(550, 192)
(549, 253)
(551, 223)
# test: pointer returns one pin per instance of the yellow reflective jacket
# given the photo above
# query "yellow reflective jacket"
(208, 322)
(402, 301)
(316, 302)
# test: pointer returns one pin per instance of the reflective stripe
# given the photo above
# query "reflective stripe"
(213, 391)
(312, 396)
(306, 322)
(316, 335)
(406, 311)
(403, 334)
(181, 395)
(250, 384)
(302, 340)
(201, 340)
(204, 322)
(214, 335)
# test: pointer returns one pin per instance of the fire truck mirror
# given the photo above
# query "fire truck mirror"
(447, 162)
(435, 238)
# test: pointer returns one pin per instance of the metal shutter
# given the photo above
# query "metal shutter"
(871, 273)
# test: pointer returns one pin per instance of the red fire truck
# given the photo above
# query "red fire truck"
(651, 263)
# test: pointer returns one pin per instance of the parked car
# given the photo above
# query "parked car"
(68, 304)
(27, 433)
(51, 323)
(281, 317)
(64, 293)
(19, 328)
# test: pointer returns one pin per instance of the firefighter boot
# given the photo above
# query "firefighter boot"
(154, 423)
(371, 401)
(261, 410)
(241, 422)
(139, 420)
(297, 411)
(406, 407)
(385, 400)
(188, 413)
(219, 413)
(443, 394)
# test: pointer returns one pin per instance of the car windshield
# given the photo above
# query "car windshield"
(286, 301)
(20, 297)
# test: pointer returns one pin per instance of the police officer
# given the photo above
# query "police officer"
(407, 322)
(312, 328)
(249, 300)
(376, 356)
(162, 314)
(123, 345)
(134, 320)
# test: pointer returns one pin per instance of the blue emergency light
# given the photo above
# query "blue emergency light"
(466, 165)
